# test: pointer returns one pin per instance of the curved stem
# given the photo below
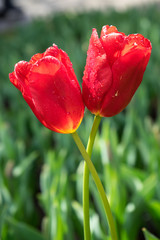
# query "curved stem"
(86, 224)
(87, 234)
(98, 184)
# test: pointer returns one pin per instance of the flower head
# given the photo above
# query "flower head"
(114, 70)
(50, 87)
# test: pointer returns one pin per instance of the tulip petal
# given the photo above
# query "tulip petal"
(136, 41)
(113, 42)
(128, 72)
(18, 79)
(62, 56)
(56, 98)
(36, 57)
(97, 75)
(15, 81)
(52, 51)
(20, 74)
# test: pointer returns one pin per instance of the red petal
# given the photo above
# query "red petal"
(97, 75)
(68, 65)
(113, 42)
(128, 72)
(108, 29)
(56, 99)
(62, 56)
(135, 41)
(21, 70)
(19, 81)
(20, 74)
(52, 51)
(15, 81)
(36, 57)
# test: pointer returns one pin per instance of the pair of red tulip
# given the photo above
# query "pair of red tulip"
(114, 69)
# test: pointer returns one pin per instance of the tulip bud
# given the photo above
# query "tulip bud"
(50, 87)
(114, 70)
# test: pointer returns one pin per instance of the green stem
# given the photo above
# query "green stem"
(87, 234)
(98, 184)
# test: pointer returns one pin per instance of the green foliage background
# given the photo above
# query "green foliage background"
(41, 172)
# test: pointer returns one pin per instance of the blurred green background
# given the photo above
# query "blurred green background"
(41, 171)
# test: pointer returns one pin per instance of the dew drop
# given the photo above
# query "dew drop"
(116, 94)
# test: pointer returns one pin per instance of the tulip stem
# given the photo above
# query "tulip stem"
(98, 184)
(87, 234)
(86, 223)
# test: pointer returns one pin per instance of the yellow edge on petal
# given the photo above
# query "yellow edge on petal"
(68, 131)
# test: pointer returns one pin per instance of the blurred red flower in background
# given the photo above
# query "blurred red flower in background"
(114, 70)
(50, 87)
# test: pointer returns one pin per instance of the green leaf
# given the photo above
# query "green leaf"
(21, 168)
(155, 208)
(24, 231)
(149, 236)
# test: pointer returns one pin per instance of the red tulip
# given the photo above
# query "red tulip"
(114, 70)
(50, 87)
